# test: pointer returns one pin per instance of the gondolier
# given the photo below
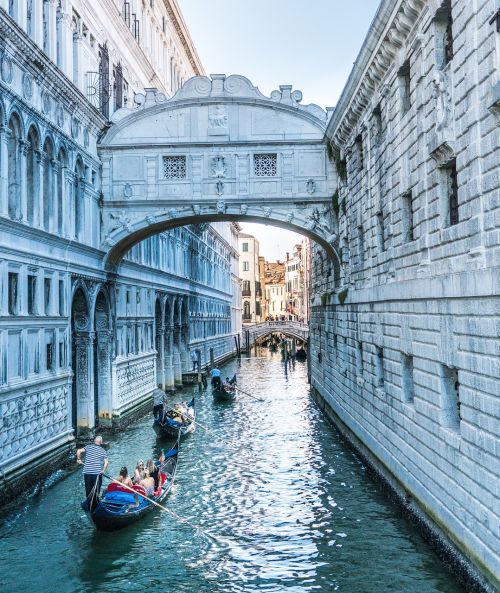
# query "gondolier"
(159, 400)
(215, 376)
(96, 463)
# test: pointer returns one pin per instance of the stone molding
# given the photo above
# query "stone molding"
(390, 30)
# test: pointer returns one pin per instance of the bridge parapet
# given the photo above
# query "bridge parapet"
(294, 329)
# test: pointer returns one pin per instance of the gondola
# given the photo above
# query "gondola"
(224, 393)
(172, 421)
(301, 354)
(119, 507)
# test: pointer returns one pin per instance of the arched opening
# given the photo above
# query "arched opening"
(61, 179)
(168, 368)
(159, 343)
(80, 361)
(78, 203)
(14, 167)
(48, 184)
(177, 364)
(102, 403)
(32, 176)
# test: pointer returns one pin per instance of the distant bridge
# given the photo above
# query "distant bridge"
(291, 329)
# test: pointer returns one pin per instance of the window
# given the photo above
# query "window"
(47, 287)
(404, 86)
(407, 217)
(449, 194)
(378, 131)
(31, 294)
(361, 246)
(246, 266)
(359, 358)
(163, 24)
(359, 150)
(450, 392)
(126, 13)
(174, 167)
(380, 231)
(118, 85)
(104, 89)
(379, 367)
(50, 355)
(13, 293)
(62, 353)
(265, 165)
(245, 247)
(246, 310)
(137, 34)
(444, 35)
(246, 288)
(61, 298)
(407, 378)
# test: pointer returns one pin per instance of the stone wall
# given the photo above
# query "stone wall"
(409, 363)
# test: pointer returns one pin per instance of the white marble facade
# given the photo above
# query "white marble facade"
(406, 350)
(77, 346)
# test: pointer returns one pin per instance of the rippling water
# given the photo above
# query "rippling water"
(275, 502)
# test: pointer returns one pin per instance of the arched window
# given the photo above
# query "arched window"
(14, 169)
(61, 166)
(32, 172)
(47, 168)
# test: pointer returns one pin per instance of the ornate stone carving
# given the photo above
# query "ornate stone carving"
(217, 118)
(120, 222)
(219, 188)
(46, 103)
(75, 127)
(127, 191)
(6, 68)
(244, 208)
(220, 207)
(441, 94)
(60, 115)
(135, 379)
(27, 86)
(196, 209)
(219, 166)
(311, 186)
(267, 212)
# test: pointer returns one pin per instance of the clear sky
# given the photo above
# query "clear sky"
(311, 45)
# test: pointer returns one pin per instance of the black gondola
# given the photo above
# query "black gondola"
(225, 392)
(301, 354)
(119, 507)
(181, 417)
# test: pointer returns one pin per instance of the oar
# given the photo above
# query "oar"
(249, 394)
(178, 517)
(196, 422)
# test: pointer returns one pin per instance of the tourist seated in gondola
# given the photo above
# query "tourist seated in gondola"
(233, 380)
(124, 478)
(216, 378)
(179, 412)
(148, 483)
(153, 472)
(139, 472)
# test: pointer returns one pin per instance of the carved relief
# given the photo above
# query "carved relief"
(218, 166)
(27, 86)
(442, 96)
(120, 221)
(46, 103)
(135, 380)
(6, 69)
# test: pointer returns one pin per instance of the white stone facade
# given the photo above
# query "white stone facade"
(79, 347)
(251, 290)
(406, 350)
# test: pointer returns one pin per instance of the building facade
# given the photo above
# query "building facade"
(251, 291)
(404, 335)
(276, 295)
(297, 272)
(79, 347)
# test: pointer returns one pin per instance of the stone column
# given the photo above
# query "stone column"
(184, 340)
(4, 175)
(177, 357)
(105, 409)
(160, 354)
(68, 205)
(38, 199)
(53, 196)
(168, 367)
(83, 343)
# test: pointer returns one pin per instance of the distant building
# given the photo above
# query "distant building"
(251, 291)
(275, 290)
(262, 284)
(297, 282)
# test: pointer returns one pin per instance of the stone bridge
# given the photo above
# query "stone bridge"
(291, 329)
(219, 150)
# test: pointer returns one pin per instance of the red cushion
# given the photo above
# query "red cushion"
(114, 487)
(139, 489)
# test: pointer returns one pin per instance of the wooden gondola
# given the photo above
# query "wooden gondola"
(119, 507)
(301, 354)
(226, 393)
(174, 420)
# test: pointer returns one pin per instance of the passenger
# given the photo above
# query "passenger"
(139, 472)
(154, 472)
(124, 478)
(216, 380)
(148, 484)
(233, 380)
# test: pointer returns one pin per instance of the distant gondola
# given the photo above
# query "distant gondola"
(175, 420)
(301, 354)
(224, 393)
(120, 507)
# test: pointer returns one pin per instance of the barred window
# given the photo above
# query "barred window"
(174, 167)
(265, 165)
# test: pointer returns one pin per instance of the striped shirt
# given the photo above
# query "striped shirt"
(94, 459)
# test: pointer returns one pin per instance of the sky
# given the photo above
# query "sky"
(311, 45)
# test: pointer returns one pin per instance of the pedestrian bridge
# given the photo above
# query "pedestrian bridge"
(291, 329)
(218, 150)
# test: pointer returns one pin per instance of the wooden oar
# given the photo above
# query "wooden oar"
(195, 421)
(249, 394)
(178, 517)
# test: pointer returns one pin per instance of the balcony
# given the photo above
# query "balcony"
(246, 292)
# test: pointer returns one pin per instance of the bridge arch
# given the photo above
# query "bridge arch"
(218, 150)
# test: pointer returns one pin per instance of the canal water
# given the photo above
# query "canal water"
(279, 502)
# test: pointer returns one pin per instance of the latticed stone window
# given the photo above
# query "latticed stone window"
(265, 165)
(174, 167)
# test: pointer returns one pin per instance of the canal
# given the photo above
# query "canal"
(290, 505)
